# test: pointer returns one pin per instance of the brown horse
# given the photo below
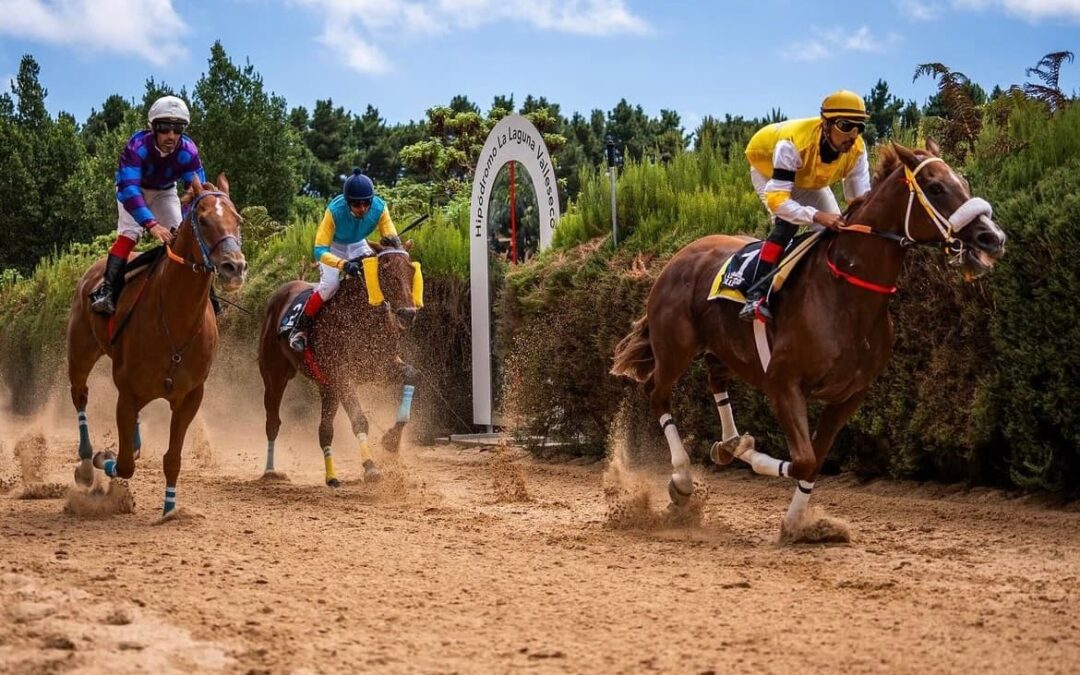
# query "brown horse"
(163, 336)
(832, 334)
(356, 339)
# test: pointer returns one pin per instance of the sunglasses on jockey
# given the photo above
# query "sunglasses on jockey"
(166, 127)
(359, 202)
(849, 126)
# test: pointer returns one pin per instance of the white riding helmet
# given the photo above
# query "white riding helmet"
(169, 107)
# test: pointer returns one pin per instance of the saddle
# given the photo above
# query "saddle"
(733, 278)
(292, 314)
(140, 265)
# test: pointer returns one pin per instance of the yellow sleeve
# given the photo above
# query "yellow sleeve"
(774, 199)
(386, 226)
(324, 237)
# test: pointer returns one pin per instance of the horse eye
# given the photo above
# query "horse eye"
(935, 189)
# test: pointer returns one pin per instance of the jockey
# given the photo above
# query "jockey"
(792, 166)
(340, 240)
(150, 164)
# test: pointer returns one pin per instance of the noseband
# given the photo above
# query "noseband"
(206, 265)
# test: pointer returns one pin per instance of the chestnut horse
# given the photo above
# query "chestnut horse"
(163, 336)
(832, 335)
(356, 339)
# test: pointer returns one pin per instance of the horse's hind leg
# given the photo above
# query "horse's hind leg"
(724, 450)
(83, 353)
(391, 440)
(326, 432)
(274, 384)
(672, 360)
(359, 421)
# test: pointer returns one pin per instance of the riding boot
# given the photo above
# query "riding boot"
(103, 299)
(214, 302)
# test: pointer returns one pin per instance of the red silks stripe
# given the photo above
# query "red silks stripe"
(122, 247)
(770, 251)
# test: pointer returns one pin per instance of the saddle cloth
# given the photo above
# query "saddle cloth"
(288, 320)
(733, 279)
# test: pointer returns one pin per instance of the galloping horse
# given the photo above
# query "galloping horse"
(832, 335)
(356, 339)
(163, 335)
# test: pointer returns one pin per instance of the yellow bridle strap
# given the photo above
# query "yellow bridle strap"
(371, 279)
(915, 190)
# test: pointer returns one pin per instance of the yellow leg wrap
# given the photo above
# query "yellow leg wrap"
(365, 449)
(328, 459)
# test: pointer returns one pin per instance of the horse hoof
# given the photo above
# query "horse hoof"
(723, 452)
(678, 497)
(371, 472)
(101, 457)
(84, 473)
(334, 483)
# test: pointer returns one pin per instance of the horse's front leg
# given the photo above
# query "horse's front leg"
(659, 385)
(183, 412)
(122, 465)
(391, 440)
(360, 428)
(833, 418)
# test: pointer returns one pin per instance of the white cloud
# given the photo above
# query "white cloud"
(99, 25)
(919, 10)
(831, 42)
(358, 26)
(1031, 10)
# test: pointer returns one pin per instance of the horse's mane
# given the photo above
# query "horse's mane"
(888, 162)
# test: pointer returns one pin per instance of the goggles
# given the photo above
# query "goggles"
(166, 127)
(849, 126)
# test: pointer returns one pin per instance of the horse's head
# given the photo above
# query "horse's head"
(401, 281)
(941, 208)
(214, 236)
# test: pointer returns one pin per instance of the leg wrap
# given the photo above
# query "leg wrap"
(85, 449)
(269, 455)
(766, 465)
(727, 419)
(328, 460)
(406, 404)
(799, 501)
(170, 500)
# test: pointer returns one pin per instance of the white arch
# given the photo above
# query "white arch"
(514, 138)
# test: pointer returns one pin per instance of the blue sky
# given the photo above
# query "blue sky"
(697, 58)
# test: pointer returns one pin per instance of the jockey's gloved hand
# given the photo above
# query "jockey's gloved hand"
(392, 240)
(352, 268)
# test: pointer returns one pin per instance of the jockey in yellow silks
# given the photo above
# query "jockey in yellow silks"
(792, 166)
(340, 240)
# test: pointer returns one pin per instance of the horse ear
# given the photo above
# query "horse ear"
(932, 147)
(222, 182)
(906, 155)
(408, 244)
(196, 184)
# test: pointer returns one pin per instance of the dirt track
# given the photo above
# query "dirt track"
(478, 561)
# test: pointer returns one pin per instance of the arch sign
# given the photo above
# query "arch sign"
(515, 139)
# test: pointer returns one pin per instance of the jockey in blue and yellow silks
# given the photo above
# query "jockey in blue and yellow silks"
(792, 166)
(341, 238)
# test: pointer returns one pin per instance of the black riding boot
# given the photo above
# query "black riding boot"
(103, 299)
(214, 302)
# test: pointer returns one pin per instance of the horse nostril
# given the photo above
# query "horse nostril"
(228, 268)
(988, 240)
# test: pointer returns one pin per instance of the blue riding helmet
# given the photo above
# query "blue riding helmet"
(358, 187)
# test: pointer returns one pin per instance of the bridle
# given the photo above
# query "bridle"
(207, 265)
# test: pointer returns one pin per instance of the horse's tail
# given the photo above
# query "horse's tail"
(634, 355)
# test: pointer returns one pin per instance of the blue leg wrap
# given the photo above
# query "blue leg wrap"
(406, 404)
(138, 436)
(85, 450)
(170, 500)
(110, 468)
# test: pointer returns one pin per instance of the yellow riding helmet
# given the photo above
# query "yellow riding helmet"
(843, 103)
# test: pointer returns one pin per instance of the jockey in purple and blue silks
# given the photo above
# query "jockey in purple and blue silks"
(150, 165)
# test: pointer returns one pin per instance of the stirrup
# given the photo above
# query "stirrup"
(754, 309)
(298, 341)
(101, 300)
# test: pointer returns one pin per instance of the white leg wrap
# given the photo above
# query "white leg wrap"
(799, 501)
(766, 465)
(727, 419)
(680, 461)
